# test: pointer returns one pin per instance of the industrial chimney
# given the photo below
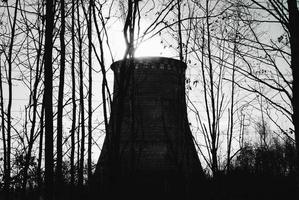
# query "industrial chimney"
(148, 150)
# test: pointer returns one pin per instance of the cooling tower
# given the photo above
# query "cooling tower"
(156, 156)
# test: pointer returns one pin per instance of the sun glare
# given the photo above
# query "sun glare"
(150, 47)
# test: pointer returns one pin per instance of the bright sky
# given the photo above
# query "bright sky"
(151, 47)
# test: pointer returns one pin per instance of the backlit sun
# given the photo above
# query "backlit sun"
(151, 47)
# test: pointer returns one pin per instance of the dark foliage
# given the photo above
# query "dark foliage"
(276, 159)
(258, 172)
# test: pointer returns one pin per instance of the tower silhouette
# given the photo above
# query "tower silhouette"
(148, 149)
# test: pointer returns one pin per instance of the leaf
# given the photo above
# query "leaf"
(280, 38)
(195, 83)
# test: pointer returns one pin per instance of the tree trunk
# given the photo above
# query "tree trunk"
(81, 92)
(40, 148)
(89, 161)
(230, 135)
(48, 101)
(294, 41)
(3, 127)
(73, 129)
(59, 179)
(212, 124)
(180, 31)
(9, 80)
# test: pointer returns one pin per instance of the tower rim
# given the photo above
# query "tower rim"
(155, 60)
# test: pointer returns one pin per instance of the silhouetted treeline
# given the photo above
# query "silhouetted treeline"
(257, 172)
(276, 159)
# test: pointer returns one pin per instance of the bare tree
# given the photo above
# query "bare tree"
(9, 106)
(59, 179)
(40, 147)
(81, 99)
(3, 125)
(234, 40)
(277, 58)
(48, 102)
(34, 89)
(180, 30)
(88, 17)
(90, 69)
(74, 105)
(100, 59)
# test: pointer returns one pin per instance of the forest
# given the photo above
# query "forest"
(56, 90)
